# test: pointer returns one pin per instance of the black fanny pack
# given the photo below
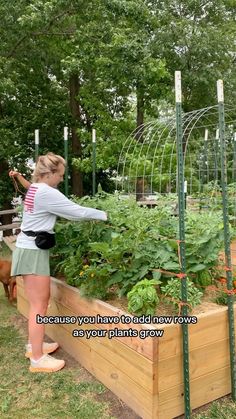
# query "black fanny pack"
(44, 240)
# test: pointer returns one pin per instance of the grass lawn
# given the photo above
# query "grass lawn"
(25, 395)
(69, 393)
(225, 409)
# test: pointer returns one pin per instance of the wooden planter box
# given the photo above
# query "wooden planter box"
(145, 373)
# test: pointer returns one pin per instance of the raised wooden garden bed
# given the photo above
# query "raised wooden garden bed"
(145, 373)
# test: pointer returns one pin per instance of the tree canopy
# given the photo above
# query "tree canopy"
(106, 65)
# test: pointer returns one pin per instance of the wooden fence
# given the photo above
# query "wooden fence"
(10, 239)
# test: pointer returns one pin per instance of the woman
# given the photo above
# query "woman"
(43, 203)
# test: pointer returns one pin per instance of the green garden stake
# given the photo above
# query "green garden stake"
(234, 160)
(185, 193)
(201, 182)
(180, 180)
(203, 168)
(94, 160)
(206, 167)
(220, 93)
(216, 152)
(66, 158)
(36, 140)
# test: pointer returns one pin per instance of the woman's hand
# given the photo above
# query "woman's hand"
(20, 178)
(14, 173)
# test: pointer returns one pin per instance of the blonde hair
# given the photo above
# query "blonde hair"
(47, 164)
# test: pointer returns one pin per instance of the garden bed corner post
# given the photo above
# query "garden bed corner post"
(180, 183)
(228, 267)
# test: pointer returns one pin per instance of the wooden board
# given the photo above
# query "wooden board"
(9, 226)
(203, 390)
(69, 297)
(202, 361)
(10, 241)
(10, 211)
(211, 327)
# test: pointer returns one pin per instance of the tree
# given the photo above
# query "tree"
(59, 66)
(199, 42)
(90, 63)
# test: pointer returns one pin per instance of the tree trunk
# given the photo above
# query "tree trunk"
(141, 187)
(6, 218)
(77, 179)
(140, 182)
(140, 116)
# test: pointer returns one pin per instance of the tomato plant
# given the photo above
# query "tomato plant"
(135, 243)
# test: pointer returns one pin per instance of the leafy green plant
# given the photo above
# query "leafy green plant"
(222, 297)
(143, 298)
(204, 240)
(172, 290)
(203, 278)
(135, 243)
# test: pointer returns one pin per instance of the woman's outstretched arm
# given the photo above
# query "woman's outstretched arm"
(24, 182)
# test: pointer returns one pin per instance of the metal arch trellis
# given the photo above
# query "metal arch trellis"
(150, 147)
(128, 141)
(145, 158)
(139, 156)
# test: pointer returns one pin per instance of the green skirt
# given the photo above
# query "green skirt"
(30, 261)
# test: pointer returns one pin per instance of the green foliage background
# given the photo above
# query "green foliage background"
(123, 53)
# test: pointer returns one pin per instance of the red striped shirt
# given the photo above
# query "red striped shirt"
(29, 199)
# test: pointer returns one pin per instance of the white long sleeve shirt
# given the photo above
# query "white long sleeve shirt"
(42, 206)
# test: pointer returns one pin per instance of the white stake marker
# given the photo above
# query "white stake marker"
(36, 136)
(220, 91)
(178, 95)
(65, 133)
(93, 135)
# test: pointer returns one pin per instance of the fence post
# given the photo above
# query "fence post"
(184, 295)
(220, 94)
(66, 158)
(234, 159)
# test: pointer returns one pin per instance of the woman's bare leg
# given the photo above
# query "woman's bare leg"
(37, 288)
